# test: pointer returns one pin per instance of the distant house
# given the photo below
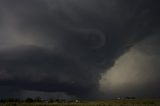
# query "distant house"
(74, 101)
(118, 98)
(77, 101)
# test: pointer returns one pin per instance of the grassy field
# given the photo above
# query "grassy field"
(136, 102)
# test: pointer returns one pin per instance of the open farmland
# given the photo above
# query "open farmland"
(149, 102)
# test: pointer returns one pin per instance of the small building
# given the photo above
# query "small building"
(77, 101)
(118, 98)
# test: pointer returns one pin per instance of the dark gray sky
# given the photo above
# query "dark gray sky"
(79, 48)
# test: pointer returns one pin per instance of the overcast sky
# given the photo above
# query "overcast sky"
(79, 48)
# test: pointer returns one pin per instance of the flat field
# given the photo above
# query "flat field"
(123, 102)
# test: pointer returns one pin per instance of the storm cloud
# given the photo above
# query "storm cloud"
(65, 45)
(135, 73)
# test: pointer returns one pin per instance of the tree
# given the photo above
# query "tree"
(29, 100)
(38, 99)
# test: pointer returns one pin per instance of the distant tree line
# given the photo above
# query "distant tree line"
(51, 100)
(37, 99)
(130, 97)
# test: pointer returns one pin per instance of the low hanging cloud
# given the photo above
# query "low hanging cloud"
(65, 45)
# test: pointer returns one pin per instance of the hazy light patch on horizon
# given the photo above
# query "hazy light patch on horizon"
(132, 71)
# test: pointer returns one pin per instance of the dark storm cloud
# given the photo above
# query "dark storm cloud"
(9, 92)
(35, 68)
(64, 45)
